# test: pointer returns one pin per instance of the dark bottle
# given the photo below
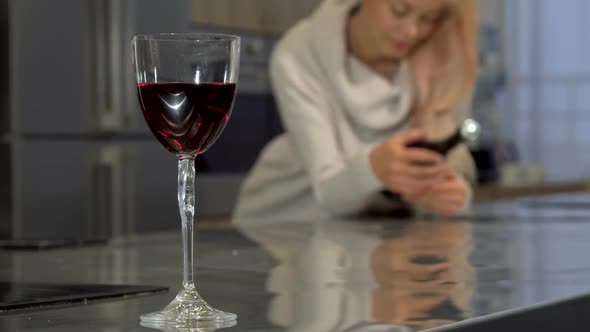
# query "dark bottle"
(468, 132)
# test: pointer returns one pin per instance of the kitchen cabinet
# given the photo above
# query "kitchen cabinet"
(253, 15)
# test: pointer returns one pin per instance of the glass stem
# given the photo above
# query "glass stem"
(186, 204)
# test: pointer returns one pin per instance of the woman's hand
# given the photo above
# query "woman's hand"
(409, 172)
(446, 195)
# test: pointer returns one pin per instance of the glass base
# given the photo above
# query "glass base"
(188, 309)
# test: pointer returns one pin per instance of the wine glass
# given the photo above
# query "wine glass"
(186, 83)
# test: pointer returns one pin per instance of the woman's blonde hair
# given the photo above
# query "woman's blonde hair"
(445, 66)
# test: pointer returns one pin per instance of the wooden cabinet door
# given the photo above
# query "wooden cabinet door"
(274, 16)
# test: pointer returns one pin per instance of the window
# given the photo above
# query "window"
(547, 106)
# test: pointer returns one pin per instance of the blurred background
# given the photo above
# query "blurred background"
(76, 158)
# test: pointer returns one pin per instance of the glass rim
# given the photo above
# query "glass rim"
(186, 36)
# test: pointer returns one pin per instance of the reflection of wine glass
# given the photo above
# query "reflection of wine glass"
(197, 328)
(186, 85)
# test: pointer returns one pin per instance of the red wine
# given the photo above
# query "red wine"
(186, 118)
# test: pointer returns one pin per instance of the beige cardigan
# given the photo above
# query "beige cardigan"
(335, 109)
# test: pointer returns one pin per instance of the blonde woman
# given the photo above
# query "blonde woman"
(356, 83)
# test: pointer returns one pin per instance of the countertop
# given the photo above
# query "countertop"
(494, 192)
(332, 275)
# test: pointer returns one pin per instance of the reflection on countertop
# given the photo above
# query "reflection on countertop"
(333, 275)
(339, 274)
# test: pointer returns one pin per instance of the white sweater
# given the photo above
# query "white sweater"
(334, 109)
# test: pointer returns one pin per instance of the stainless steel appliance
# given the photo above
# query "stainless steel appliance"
(76, 159)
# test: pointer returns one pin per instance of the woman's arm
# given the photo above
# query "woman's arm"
(341, 185)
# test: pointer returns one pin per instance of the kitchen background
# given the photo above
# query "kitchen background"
(77, 161)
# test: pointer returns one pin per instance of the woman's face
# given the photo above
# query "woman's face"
(400, 25)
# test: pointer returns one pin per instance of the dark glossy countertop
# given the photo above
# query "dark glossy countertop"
(330, 275)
